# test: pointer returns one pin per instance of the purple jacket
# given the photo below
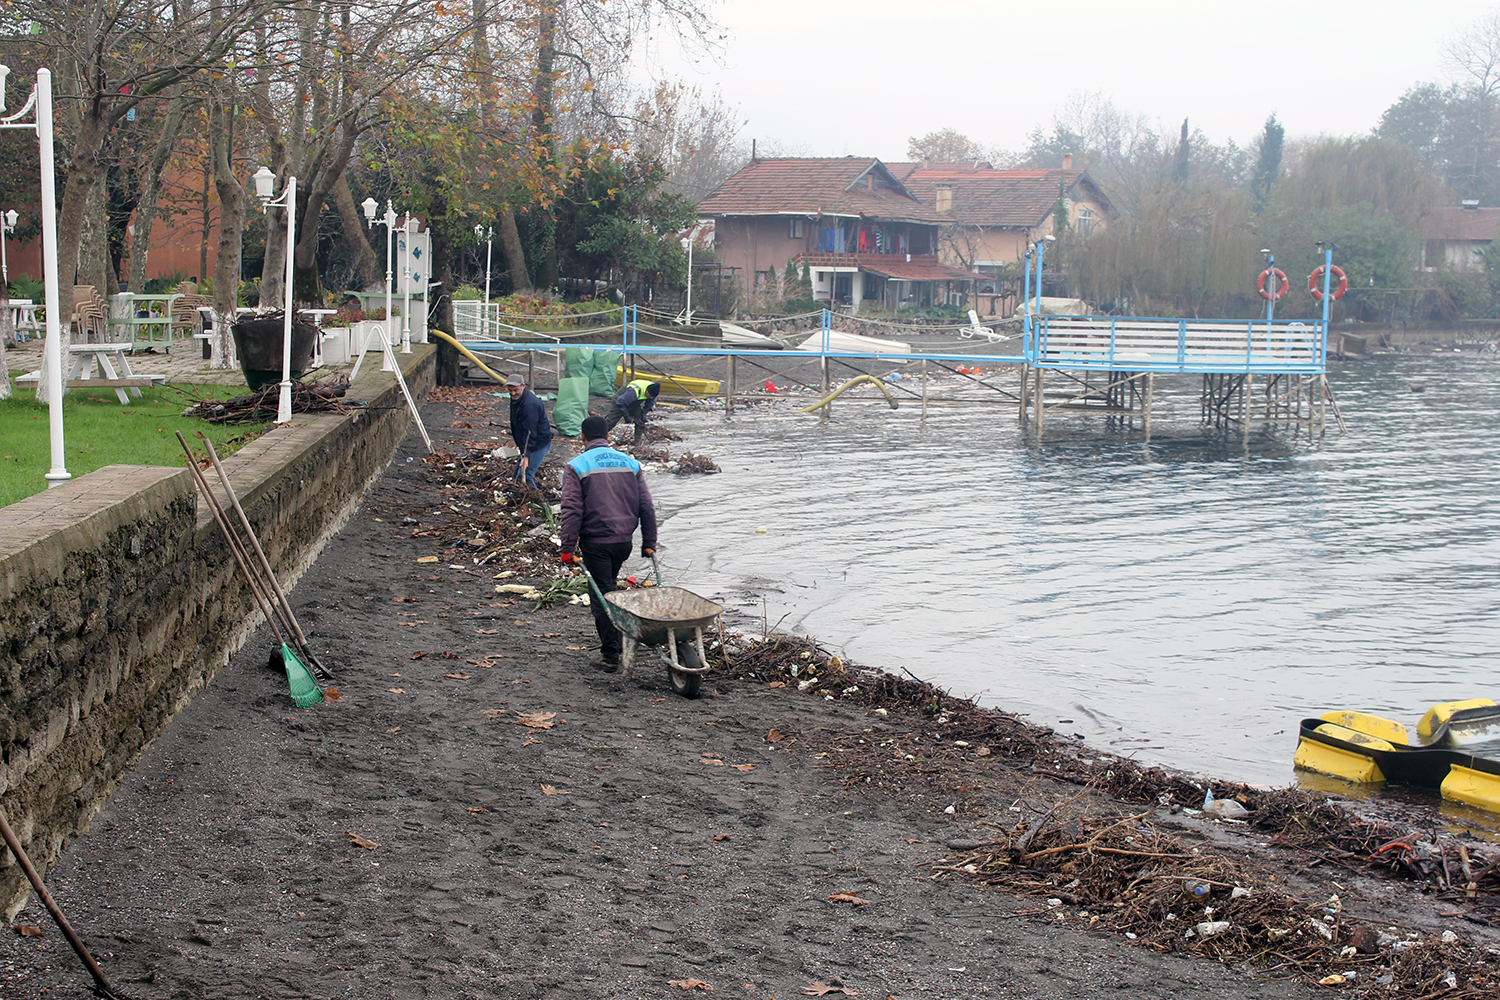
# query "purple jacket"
(604, 496)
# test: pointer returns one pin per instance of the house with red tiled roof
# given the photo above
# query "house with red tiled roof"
(862, 235)
(991, 216)
(1454, 238)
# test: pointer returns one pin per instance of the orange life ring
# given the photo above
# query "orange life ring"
(1337, 272)
(1281, 285)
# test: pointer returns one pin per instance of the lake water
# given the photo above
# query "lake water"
(1186, 603)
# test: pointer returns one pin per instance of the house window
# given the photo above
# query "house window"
(944, 199)
(1085, 223)
(794, 229)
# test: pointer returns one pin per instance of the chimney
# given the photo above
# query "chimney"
(1067, 161)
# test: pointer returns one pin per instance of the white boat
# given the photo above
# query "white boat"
(853, 343)
(733, 333)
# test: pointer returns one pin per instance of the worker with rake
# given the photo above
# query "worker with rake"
(604, 498)
(529, 428)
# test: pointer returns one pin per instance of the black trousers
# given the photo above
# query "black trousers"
(635, 413)
(603, 563)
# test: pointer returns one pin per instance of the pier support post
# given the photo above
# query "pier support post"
(924, 389)
(729, 396)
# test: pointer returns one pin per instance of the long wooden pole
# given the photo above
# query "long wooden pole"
(54, 909)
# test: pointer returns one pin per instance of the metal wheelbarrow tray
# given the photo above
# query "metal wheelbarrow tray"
(671, 620)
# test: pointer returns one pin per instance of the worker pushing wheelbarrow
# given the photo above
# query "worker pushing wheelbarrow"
(670, 619)
(604, 498)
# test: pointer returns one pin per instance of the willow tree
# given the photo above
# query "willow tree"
(1187, 249)
(1370, 170)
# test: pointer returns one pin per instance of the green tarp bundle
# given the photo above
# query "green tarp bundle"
(599, 367)
(572, 405)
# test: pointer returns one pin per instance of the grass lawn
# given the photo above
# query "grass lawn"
(99, 431)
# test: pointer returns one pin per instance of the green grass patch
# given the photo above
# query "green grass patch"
(99, 431)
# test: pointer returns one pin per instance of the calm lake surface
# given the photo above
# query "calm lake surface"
(1186, 603)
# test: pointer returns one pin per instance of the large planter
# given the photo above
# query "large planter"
(257, 340)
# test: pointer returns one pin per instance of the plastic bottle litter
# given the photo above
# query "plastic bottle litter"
(1196, 889)
(1209, 928)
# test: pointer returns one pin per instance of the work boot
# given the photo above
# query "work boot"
(606, 664)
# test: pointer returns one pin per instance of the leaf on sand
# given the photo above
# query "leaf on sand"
(743, 767)
(536, 720)
(407, 600)
(777, 684)
(551, 790)
(719, 838)
(427, 559)
(459, 676)
(476, 810)
(486, 631)
(450, 656)
(396, 690)
(331, 694)
(359, 841)
(395, 730)
(774, 737)
(711, 761)
(29, 930)
(820, 990)
(690, 984)
(418, 655)
(494, 713)
(849, 897)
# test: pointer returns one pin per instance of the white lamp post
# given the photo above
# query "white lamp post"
(41, 100)
(265, 181)
(406, 233)
(370, 205)
(7, 226)
(488, 235)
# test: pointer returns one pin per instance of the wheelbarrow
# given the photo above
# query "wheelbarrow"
(669, 619)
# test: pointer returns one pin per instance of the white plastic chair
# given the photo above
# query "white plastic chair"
(974, 328)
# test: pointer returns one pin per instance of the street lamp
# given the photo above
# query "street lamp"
(7, 225)
(406, 234)
(488, 235)
(370, 205)
(265, 181)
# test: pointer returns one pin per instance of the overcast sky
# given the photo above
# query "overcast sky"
(836, 77)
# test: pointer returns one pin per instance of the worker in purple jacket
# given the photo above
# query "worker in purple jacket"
(604, 498)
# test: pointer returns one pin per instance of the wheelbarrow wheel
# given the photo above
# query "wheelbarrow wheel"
(684, 683)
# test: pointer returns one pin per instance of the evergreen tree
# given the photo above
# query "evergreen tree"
(1184, 154)
(1267, 165)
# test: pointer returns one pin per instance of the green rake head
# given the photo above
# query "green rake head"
(305, 690)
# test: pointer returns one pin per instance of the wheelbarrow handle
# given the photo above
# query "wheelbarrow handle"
(656, 565)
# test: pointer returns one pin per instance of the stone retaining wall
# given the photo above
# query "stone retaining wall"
(119, 601)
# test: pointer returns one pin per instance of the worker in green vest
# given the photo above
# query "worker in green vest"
(633, 404)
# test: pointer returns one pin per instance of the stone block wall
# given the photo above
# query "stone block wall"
(119, 600)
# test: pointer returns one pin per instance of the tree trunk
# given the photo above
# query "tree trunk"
(510, 249)
(145, 212)
(365, 264)
(231, 234)
(93, 244)
(6, 333)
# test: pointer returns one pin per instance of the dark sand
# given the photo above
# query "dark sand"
(414, 839)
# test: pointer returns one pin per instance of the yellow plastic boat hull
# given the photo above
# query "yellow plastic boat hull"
(671, 385)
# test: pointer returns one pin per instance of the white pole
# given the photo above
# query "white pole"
(52, 362)
(688, 318)
(390, 225)
(284, 404)
(489, 242)
(406, 234)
